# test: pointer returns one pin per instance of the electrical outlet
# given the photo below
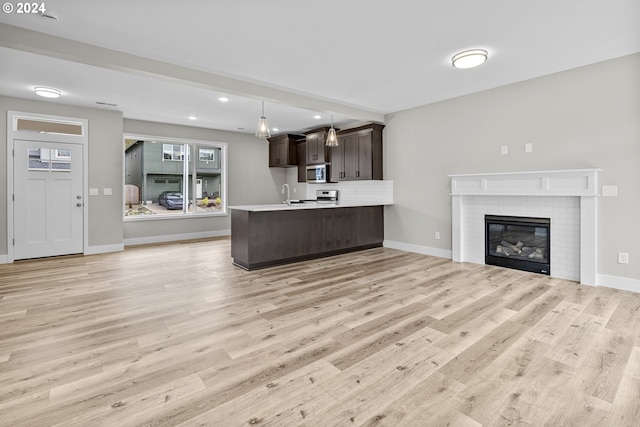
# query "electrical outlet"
(504, 149)
(294, 190)
(623, 258)
(437, 235)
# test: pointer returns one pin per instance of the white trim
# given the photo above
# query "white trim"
(575, 182)
(13, 133)
(424, 250)
(103, 249)
(175, 237)
(617, 282)
(4, 259)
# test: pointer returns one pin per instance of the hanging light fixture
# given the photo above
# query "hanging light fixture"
(332, 139)
(263, 127)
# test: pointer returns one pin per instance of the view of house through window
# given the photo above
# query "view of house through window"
(173, 177)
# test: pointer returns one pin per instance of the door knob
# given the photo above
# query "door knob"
(78, 197)
(79, 205)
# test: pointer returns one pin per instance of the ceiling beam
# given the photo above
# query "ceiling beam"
(70, 50)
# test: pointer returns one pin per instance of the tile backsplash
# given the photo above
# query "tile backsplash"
(357, 191)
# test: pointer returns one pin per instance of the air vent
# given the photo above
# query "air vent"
(108, 104)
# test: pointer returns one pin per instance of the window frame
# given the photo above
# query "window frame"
(193, 144)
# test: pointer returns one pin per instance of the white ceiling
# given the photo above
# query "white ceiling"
(355, 59)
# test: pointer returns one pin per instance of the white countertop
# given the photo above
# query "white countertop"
(305, 205)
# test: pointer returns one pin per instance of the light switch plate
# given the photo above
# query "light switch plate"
(107, 192)
(528, 148)
(609, 190)
(504, 149)
(93, 192)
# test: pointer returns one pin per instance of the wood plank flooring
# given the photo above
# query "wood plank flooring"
(173, 334)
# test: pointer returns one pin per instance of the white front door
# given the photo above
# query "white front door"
(48, 202)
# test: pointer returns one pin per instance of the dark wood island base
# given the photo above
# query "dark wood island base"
(262, 239)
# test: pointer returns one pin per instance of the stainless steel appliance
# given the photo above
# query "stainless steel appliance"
(318, 174)
(327, 196)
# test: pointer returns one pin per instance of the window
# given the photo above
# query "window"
(51, 160)
(164, 180)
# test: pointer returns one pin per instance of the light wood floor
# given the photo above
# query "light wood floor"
(175, 335)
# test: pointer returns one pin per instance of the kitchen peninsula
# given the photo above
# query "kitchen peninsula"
(268, 235)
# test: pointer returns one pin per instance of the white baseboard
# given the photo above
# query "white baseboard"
(175, 237)
(103, 249)
(617, 282)
(424, 250)
(4, 259)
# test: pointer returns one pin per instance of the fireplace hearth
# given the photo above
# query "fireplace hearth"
(521, 243)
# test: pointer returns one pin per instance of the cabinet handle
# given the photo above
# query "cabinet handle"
(357, 174)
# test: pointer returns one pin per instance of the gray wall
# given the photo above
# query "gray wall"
(583, 118)
(105, 166)
(251, 181)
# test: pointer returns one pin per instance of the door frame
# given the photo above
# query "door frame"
(13, 133)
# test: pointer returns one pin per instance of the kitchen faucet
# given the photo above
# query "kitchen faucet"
(288, 202)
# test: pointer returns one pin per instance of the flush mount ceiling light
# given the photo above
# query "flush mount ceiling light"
(193, 118)
(263, 127)
(47, 92)
(223, 99)
(332, 139)
(469, 58)
(317, 117)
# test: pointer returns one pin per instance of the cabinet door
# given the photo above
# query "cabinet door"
(301, 151)
(350, 158)
(337, 161)
(274, 153)
(364, 151)
(312, 148)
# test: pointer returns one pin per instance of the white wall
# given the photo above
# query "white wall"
(588, 117)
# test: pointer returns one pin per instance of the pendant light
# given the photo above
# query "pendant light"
(332, 139)
(263, 127)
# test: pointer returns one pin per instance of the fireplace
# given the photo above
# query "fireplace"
(521, 243)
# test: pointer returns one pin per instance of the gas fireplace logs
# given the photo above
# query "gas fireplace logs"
(507, 249)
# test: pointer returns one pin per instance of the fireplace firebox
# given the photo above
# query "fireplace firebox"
(519, 243)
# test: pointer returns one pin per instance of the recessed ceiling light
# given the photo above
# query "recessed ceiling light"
(47, 92)
(275, 129)
(317, 117)
(193, 118)
(223, 99)
(469, 58)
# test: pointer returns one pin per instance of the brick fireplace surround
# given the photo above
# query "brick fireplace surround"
(567, 197)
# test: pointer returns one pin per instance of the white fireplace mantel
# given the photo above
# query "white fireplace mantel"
(577, 182)
(582, 183)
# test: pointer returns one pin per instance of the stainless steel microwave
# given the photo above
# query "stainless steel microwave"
(318, 174)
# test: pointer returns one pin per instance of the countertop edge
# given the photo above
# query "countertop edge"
(303, 206)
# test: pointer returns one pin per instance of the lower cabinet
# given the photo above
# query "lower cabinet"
(267, 238)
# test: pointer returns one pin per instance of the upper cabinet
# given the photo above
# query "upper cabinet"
(358, 155)
(302, 159)
(282, 151)
(317, 152)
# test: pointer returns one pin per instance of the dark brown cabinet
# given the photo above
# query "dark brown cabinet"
(317, 151)
(283, 151)
(301, 151)
(266, 238)
(358, 155)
